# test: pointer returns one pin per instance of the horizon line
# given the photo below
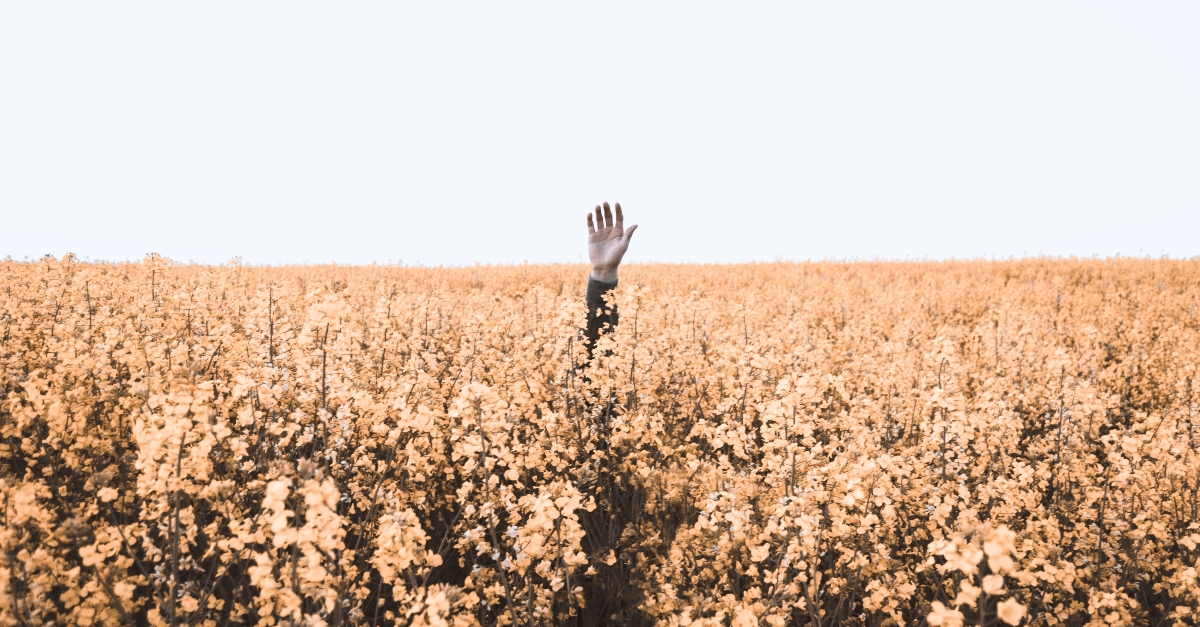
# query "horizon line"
(399, 264)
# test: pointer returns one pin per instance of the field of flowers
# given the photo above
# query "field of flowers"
(775, 444)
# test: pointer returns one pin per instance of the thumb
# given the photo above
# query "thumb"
(629, 233)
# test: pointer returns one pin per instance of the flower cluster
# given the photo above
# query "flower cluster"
(993, 443)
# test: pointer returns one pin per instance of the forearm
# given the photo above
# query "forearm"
(599, 314)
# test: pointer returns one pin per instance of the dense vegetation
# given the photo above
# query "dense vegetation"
(816, 444)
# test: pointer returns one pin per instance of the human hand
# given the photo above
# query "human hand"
(607, 242)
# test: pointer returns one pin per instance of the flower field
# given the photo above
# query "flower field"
(774, 444)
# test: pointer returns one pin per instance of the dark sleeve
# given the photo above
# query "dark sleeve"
(599, 314)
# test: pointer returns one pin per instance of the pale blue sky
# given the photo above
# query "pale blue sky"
(453, 133)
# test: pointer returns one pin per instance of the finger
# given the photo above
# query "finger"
(608, 220)
(629, 234)
(620, 219)
(599, 219)
(591, 227)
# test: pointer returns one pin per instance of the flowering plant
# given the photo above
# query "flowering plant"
(782, 444)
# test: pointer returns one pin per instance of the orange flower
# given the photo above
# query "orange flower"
(1010, 611)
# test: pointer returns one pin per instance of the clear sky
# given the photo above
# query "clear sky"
(456, 133)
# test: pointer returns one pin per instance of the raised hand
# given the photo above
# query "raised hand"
(607, 242)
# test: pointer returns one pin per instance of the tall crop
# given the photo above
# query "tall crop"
(780, 444)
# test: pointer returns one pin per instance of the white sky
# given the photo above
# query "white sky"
(447, 133)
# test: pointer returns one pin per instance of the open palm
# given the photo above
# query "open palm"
(607, 242)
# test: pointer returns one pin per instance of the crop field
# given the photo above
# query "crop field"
(894, 443)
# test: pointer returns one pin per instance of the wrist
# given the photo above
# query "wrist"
(604, 274)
